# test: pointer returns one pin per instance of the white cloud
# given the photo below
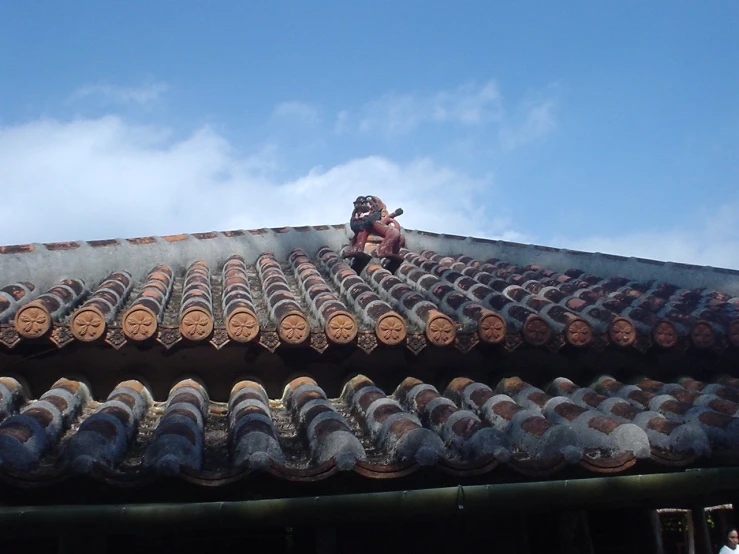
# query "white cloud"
(143, 95)
(396, 114)
(341, 125)
(103, 178)
(711, 239)
(100, 178)
(470, 105)
(536, 120)
(297, 111)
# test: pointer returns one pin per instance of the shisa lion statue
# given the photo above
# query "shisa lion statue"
(376, 232)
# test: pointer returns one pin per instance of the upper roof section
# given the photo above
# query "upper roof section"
(290, 286)
(46, 262)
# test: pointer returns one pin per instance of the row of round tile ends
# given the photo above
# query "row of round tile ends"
(196, 321)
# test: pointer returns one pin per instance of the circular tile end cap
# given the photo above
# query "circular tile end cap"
(665, 334)
(391, 329)
(294, 328)
(32, 321)
(242, 325)
(341, 328)
(622, 332)
(492, 328)
(536, 330)
(88, 324)
(139, 323)
(440, 329)
(578, 332)
(196, 324)
(702, 335)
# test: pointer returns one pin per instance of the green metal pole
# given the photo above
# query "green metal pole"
(395, 505)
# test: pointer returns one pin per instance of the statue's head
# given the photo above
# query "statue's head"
(367, 205)
(367, 210)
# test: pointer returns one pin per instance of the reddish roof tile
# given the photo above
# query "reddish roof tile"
(208, 235)
(61, 245)
(17, 248)
(174, 238)
(104, 242)
(142, 240)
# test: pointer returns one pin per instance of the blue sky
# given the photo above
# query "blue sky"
(604, 126)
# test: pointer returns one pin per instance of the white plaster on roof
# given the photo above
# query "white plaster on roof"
(46, 267)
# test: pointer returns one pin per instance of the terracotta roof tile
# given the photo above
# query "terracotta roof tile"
(104, 242)
(175, 238)
(54, 246)
(196, 320)
(284, 309)
(208, 235)
(142, 240)
(17, 248)
(101, 307)
(142, 319)
(483, 299)
(34, 319)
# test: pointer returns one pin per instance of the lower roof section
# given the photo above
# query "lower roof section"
(505, 430)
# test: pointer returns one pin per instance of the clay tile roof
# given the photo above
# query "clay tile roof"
(469, 428)
(294, 289)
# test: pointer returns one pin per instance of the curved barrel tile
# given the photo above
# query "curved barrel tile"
(528, 430)
(579, 304)
(143, 317)
(594, 428)
(440, 330)
(35, 319)
(104, 437)
(393, 429)
(12, 297)
(329, 435)
(518, 317)
(694, 398)
(26, 436)
(242, 323)
(722, 430)
(252, 433)
(89, 322)
(662, 433)
(178, 439)
(284, 309)
(338, 323)
(12, 396)
(728, 381)
(196, 309)
(460, 429)
(576, 330)
(490, 326)
(389, 326)
(724, 387)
